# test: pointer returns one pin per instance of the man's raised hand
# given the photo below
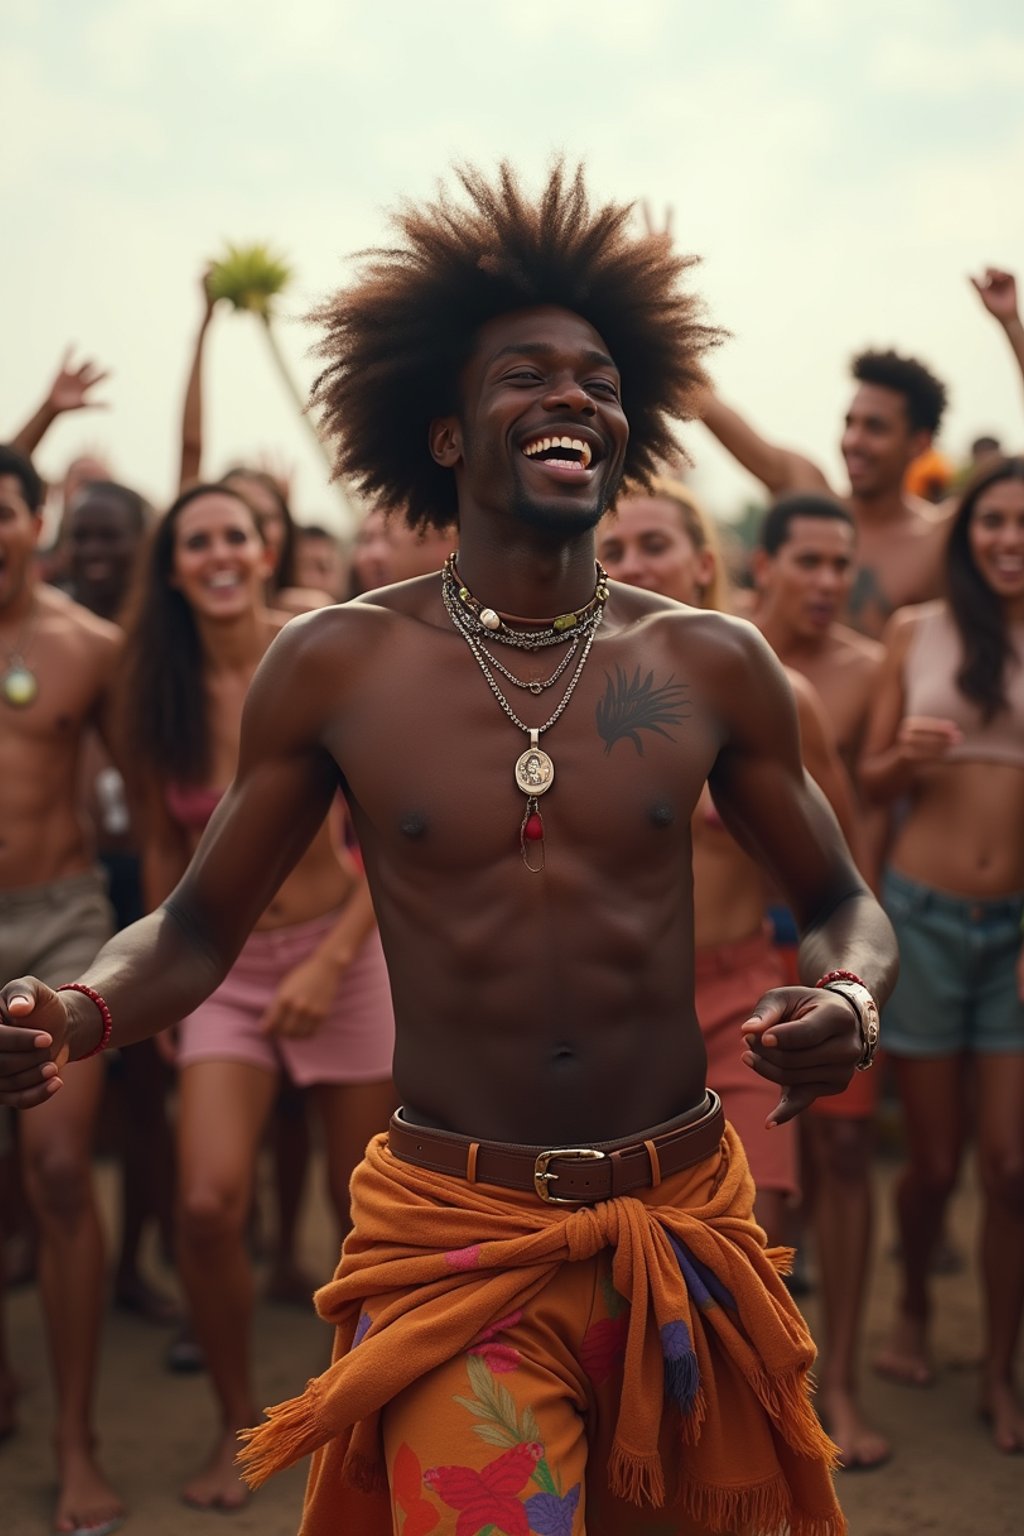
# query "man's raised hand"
(997, 290)
(72, 387)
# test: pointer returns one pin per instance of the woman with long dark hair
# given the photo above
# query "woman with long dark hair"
(308, 997)
(947, 739)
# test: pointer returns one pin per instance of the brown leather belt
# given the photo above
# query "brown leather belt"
(581, 1175)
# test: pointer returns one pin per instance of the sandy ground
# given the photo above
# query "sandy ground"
(945, 1480)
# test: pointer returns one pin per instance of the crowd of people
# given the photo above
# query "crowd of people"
(241, 745)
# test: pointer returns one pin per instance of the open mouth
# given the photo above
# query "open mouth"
(566, 453)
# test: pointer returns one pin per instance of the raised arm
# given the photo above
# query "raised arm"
(192, 412)
(781, 470)
(997, 290)
(158, 970)
(71, 390)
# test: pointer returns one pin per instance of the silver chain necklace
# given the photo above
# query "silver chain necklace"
(534, 769)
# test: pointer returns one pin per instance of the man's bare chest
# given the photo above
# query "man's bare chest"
(447, 758)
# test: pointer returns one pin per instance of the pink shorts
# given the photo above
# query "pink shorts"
(729, 980)
(354, 1044)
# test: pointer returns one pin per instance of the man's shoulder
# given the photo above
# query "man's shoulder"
(349, 628)
(70, 622)
(720, 647)
(854, 649)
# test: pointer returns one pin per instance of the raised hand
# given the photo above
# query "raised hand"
(997, 290)
(72, 387)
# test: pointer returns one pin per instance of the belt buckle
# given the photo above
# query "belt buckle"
(542, 1178)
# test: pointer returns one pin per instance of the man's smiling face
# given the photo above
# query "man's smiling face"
(541, 432)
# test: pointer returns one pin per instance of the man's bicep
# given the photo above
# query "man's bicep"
(766, 799)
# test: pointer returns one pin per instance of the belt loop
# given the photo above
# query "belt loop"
(652, 1153)
(474, 1148)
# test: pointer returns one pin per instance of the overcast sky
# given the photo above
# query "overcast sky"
(840, 169)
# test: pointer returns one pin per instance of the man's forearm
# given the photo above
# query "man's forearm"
(150, 975)
(854, 936)
(27, 440)
(1015, 336)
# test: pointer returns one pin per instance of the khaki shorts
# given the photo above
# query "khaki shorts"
(54, 931)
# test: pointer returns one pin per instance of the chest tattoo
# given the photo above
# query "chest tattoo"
(634, 704)
(866, 596)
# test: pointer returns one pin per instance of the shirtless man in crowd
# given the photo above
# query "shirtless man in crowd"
(893, 417)
(803, 572)
(540, 949)
(57, 661)
(804, 567)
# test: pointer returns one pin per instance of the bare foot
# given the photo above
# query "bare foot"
(219, 1485)
(86, 1501)
(905, 1358)
(861, 1448)
(1001, 1407)
(290, 1286)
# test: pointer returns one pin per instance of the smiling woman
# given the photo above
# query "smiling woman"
(308, 996)
(947, 738)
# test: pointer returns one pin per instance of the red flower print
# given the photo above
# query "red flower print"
(603, 1347)
(407, 1487)
(499, 1358)
(488, 1497)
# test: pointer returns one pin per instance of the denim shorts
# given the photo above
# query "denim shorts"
(957, 988)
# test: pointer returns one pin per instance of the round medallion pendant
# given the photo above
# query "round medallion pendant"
(19, 687)
(535, 772)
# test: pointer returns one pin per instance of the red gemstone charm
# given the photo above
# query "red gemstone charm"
(534, 829)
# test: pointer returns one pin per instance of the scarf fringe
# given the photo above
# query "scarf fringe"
(692, 1423)
(682, 1379)
(766, 1508)
(785, 1399)
(639, 1479)
(290, 1431)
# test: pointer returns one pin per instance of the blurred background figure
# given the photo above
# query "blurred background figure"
(947, 738)
(386, 549)
(321, 562)
(308, 998)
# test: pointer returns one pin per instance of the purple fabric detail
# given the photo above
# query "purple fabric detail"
(551, 1516)
(682, 1373)
(362, 1328)
(703, 1284)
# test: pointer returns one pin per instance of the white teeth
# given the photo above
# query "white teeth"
(228, 579)
(544, 444)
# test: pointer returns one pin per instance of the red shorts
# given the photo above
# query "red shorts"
(729, 979)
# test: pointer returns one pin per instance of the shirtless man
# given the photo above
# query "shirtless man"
(540, 950)
(804, 568)
(57, 660)
(803, 572)
(892, 418)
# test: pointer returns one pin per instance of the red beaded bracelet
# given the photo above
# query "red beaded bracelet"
(841, 976)
(105, 1015)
